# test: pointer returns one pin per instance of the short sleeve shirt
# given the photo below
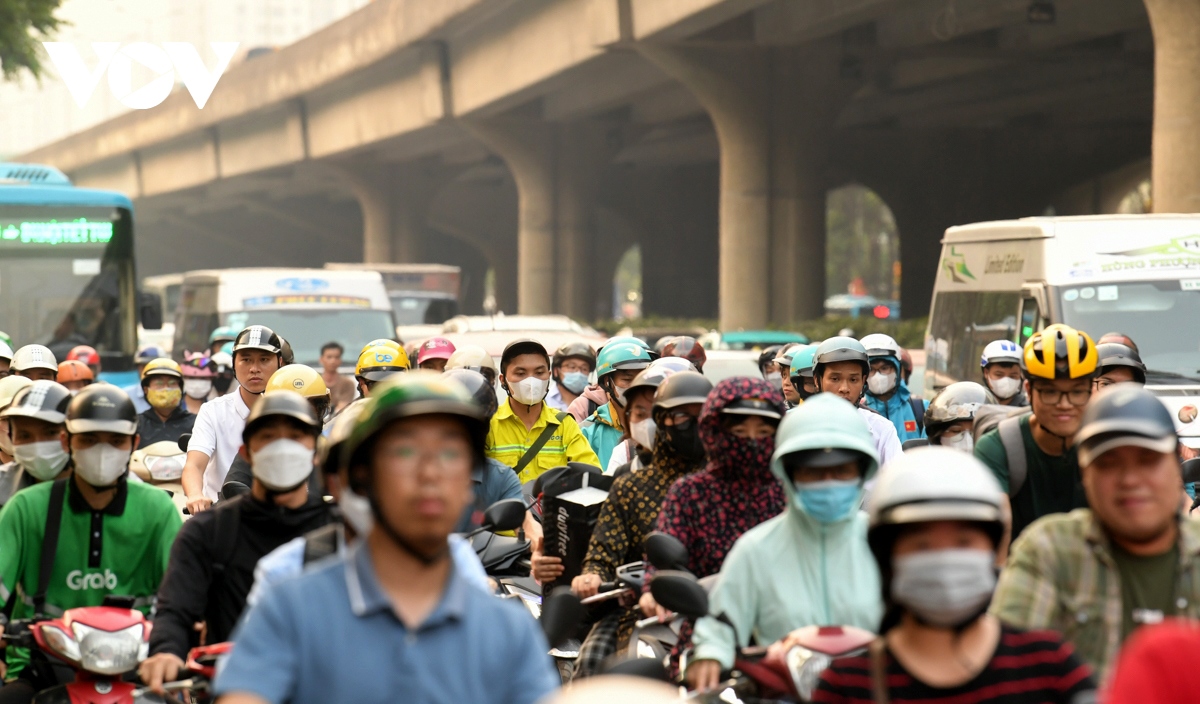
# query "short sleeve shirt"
(218, 434)
(473, 647)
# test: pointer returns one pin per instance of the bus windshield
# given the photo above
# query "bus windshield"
(308, 330)
(66, 276)
(1158, 315)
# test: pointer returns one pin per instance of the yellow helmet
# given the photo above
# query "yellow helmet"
(305, 381)
(380, 361)
(1060, 352)
(385, 342)
(162, 367)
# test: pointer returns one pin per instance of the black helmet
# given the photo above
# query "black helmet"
(343, 425)
(258, 337)
(281, 404)
(43, 400)
(681, 389)
(578, 350)
(1124, 414)
(651, 378)
(953, 404)
(520, 347)
(768, 356)
(285, 351)
(1114, 354)
(102, 408)
(481, 389)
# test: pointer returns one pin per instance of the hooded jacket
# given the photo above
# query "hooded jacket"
(898, 408)
(794, 571)
(603, 432)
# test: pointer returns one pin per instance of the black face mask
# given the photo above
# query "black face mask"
(222, 383)
(803, 393)
(684, 441)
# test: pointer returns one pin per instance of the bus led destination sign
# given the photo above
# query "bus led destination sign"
(79, 232)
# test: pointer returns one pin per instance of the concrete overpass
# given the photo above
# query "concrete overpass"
(544, 137)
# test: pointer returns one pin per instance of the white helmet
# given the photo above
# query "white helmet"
(34, 357)
(5, 351)
(1003, 351)
(880, 345)
(9, 386)
(933, 484)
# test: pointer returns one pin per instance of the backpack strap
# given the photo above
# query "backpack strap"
(538, 444)
(1014, 449)
(227, 518)
(877, 650)
(320, 543)
(918, 409)
(58, 492)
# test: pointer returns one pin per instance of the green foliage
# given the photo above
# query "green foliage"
(24, 24)
(863, 243)
(909, 333)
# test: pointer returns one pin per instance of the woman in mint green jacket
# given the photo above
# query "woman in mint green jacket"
(811, 565)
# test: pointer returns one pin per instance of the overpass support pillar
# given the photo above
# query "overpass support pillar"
(556, 168)
(773, 110)
(395, 203)
(1175, 167)
(371, 189)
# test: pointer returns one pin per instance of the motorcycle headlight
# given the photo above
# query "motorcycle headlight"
(806, 667)
(108, 652)
(61, 642)
(165, 469)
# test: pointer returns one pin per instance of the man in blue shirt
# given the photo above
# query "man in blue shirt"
(886, 392)
(396, 621)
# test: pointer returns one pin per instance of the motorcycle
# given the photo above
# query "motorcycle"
(161, 464)
(763, 673)
(202, 663)
(101, 643)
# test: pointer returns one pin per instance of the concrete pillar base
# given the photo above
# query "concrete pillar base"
(1175, 162)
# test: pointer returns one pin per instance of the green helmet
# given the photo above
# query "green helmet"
(415, 393)
(225, 333)
(5, 338)
(623, 355)
(827, 426)
(840, 349)
(803, 361)
(627, 338)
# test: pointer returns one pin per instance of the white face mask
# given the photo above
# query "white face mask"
(944, 588)
(356, 510)
(1005, 387)
(44, 460)
(619, 395)
(530, 390)
(775, 379)
(880, 383)
(101, 464)
(282, 465)
(197, 388)
(643, 433)
(959, 441)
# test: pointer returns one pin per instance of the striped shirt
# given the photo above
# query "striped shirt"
(1028, 667)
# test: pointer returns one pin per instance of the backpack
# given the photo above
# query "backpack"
(1006, 420)
(918, 409)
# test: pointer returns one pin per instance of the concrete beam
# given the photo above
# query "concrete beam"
(802, 22)
(929, 21)
(181, 163)
(663, 20)
(267, 139)
(609, 82)
(122, 173)
(1176, 155)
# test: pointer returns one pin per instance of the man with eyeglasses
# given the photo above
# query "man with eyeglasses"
(1033, 456)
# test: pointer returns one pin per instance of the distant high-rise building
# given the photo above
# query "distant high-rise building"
(33, 115)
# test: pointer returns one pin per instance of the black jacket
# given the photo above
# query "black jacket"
(197, 588)
(152, 428)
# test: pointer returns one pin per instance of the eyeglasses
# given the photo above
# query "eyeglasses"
(681, 419)
(1052, 396)
(408, 460)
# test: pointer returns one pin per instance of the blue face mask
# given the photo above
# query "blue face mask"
(1190, 488)
(575, 382)
(829, 501)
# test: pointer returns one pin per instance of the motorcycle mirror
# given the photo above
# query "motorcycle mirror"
(1191, 470)
(507, 514)
(562, 612)
(680, 592)
(183, 441)
(665, 551)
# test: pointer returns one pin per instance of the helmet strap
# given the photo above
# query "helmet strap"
(401, 542)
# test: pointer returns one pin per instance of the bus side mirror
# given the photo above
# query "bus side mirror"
(150, 312)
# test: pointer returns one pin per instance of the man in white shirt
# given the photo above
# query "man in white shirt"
(217, 433)
(841, 367)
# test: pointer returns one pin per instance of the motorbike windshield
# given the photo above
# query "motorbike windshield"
(1157, 315)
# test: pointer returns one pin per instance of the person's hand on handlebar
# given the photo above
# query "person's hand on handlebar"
(586, 585)
(544, 569)
(198, 504)
(703, 675)
(650, 607)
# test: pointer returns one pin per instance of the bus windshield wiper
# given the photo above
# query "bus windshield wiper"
(1168, 376)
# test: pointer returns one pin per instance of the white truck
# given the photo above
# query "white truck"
(308, 307)
(1134, 274)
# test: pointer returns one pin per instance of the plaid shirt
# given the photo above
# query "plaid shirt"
(1061, 576)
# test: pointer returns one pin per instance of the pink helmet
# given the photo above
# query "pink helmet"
(196, 365)
(435, 348)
